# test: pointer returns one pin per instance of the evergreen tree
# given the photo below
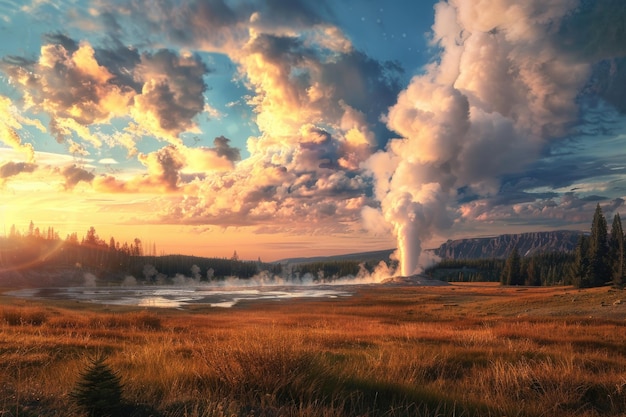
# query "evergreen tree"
(533, 277)
(98, 391)
(91, 239)
(512, 272)
(599, 269)
(616, 251)
(580, 268)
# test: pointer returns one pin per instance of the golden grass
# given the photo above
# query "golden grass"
(461, 350)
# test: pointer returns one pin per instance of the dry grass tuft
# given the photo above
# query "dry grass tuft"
(23, 316)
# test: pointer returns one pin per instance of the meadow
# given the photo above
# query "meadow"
(458, 350)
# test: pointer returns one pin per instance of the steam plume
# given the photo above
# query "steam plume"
(503, 85)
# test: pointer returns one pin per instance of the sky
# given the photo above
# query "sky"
(282, 128)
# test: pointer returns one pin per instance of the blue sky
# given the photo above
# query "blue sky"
(279, 128)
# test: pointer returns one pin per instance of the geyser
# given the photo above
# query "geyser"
(504, 83)
(409, 248)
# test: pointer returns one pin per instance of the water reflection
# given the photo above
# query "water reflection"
(177, 297)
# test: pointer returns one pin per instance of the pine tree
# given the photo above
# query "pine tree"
(98, 391)
(533, 276)
(512, 273)
(599, 270)
(580, 269)
(616, 251)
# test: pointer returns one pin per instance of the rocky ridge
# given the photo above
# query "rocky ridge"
(501, 246)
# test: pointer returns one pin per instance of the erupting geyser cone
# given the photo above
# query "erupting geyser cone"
(507, 80)
(409, 248)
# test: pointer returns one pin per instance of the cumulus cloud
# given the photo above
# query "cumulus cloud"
(317, 104)
(69, 84)
(172, 166)
(81, 87)
(204, 160)
(221, 146)
(172, 93)
(163, 167)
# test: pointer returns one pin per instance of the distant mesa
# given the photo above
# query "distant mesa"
(501, 246)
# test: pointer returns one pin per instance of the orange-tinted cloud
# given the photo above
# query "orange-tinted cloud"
(172, 166)
(81, 87)
(317, 103)
(10, 122)
(11, 169)
(74, 174)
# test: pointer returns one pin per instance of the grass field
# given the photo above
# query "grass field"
(458, 350)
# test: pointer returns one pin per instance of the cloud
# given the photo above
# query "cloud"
(163, 174)
(10, 169)
(257, 192)
(555, 212)
(69, 84)
(609, 80)
(170, 168)
(73, 174)
(204, 160)
(593, 31)
(163, 167)
(317, 104)
(172, 93)
(10, 123)
(223, 149)
(295, 13)
(215, 25)
(80, 87)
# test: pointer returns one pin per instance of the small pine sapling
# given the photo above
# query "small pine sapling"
(99, 390)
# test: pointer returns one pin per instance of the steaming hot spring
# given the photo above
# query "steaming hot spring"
(225, 294)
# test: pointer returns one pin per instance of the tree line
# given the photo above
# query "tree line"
(597, 260)
(41, 249)
(538, 269)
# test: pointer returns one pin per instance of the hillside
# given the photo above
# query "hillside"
(501, 246)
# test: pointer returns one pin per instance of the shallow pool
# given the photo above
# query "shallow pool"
(180, 296)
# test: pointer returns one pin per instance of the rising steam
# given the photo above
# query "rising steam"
(499, 90)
